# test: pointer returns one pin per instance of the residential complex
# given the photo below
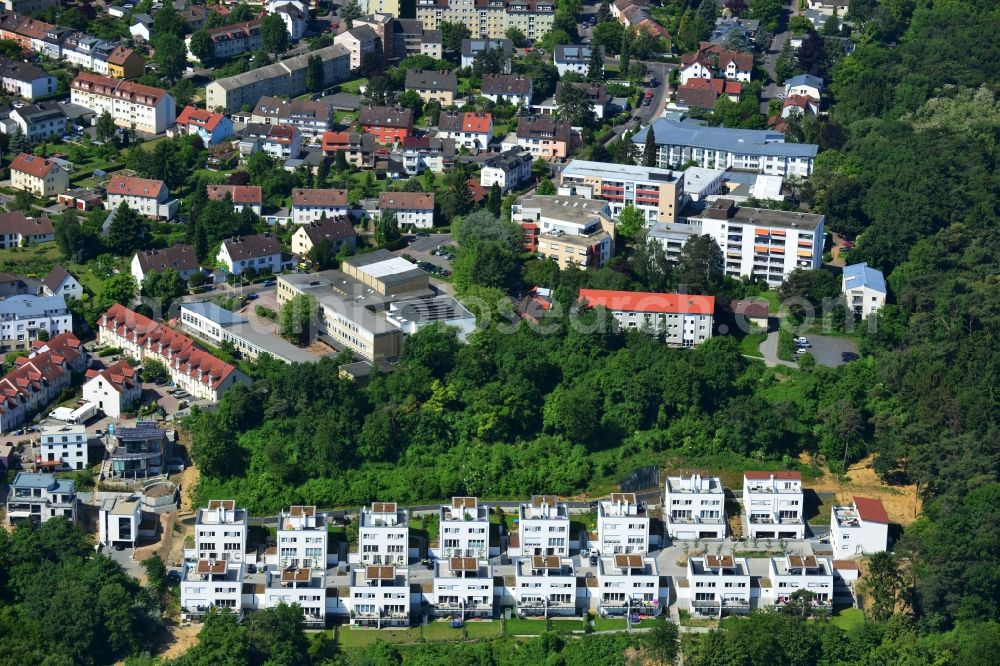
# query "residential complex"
(379, 596)
(491, 19)
(115, 389)
(545, 586)
(773, 505)
(138, 452)
(694, 507)
(622, 525)
(543, 527)
(433, 85)
(718, 585)
(131, 105)
(510, 170)
(38, 379)
(311, 205)
(220, 532)
(470, 130)
(861, 528)
(863, 288)
(791, 573)
(463, 588)
(240, 196)
(658, 193)
(25, 319)
(37, 498)
(302, 539)
(573, 231)
(412, 209)
(683, 320)
(16, 230)
(384, 535)
(179, 258)
(258, 252)
(464, 529)
(338, 231)
(211, 127)
(309, 117)
(542, 136)
(628, 584)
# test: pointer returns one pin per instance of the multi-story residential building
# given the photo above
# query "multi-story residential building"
(384, 535)
(231, 40)
(302, 539)
(628, 584)
(859, 529)
(358, 148)
(295, 14)
(279, 141)
(147, 197)
(543, 527)
(210, 584)
(241, 196)
(545, 585)
(118, 522)
(718, 585)
(473, 47)
(694, 507)
(311, 205)
(543, 136)
(304, 586)
(622, 525)
(388, 125)
(762, 243)
(572, 58)
(573, 231)
(42, 177)
(469, 129)
(704, 93)
(464, 529)
(59, 281)
(672, 238)
(433, 85)
(40, 121)
(657, 193)
(124, 63)
(385, 25)
(412, 209)
(260, 252)
(684, 320)
(510, 170)
(139, 452)
(191, 369)
(380, 7)
(131, 105)
(863, 288)
(63, 447)
(180, 258)
(790, 573)
(26, 80)
(115, 389)
(511, 88)
(805, 85)
(283, 78)
(419, 154)
(712, 61)
(16, 230)
(596, 94)
(37, 498)
(410, 38)
(463, 588)
(764, 151)
(220, 532)
(363, 43)
(338, 231)
(213, 128)
(39, 379)
(311, 118)
(773, 505)
(379, 596)
(23, 317)
(142, 26)
(490, 18)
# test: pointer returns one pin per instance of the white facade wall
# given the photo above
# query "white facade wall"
(852, 535)
(864, 300)
(540, 591)
(788, 577)
(302, 538)
(622, 527)
(384, 536)
(202, 592)
(773, 508)
(695, 507)
(220, 532)
(312, 213)
(715, 589)
(236, 267)
(621, 588)
(544, 528)
(464, 530)
(379, 603)
(110, 399)
(412, 217)
(738, 241)
(67, 443)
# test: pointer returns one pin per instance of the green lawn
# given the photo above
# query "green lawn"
(750, 344)
(440, 630)
(609, 624)
(848, 619)
(534, 627)
(428, 524)
(38, 260)
(772, 300)
(353, 86)
(348, 637)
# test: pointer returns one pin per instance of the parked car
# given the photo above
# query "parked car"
(805, 344)
(847, 357)
(253, 296)
(801, 341)
(270, 283)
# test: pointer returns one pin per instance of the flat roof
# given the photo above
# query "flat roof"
(385, 266)
(569, 209)
(585, 169)
(214, 313)
(440, 308)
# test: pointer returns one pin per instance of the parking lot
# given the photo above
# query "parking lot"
(829, 350)
(422, 250)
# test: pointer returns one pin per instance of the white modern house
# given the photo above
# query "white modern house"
(790, 573)
(63, 447)
(859, 529)
(24, 317)
(36, 498)
(220, 533)
(115, 389)
(773, 505)
(628, 584)
(718, 585)
(295, 14)
(464, 529)
(545, 585)
(412, 209)
(118, 522)
(509, 170)
(463, 588)
(379, 596)
(384, 535)
(304, 586)
(805, 85)
(694, 507)
(572, 58)
(864, 289)
(543, 527)
(211, 583)
(622, 525)
(302, 539)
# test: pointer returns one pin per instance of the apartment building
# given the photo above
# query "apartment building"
(473, 47)
(358, 148)
(279, 141)
(295, 14)
(16, 230)
(510, 170)
(543, 136)
(490, 18)
(463, 588)
(694, 507)
(240, 196)
(859, 529)
(220, 532)
(387, 124)
(622, 525)
(59, 281)
(131, 105)
(657, 193)
(311, 205)
(470, 130)
(790, 573)
(26, 80)
(231, 40)
(543, 527)
(147, 197)
(419, 154)
(216, 325)
(718, 585)
(137, 452)
(208, 584)
(63, 447)
(573, 231)
(628, 585)
(805, 85)
(284, 78)
(863, 288)
(211, 127)
(762, 243)
(773, 505)
(683, 320)
(509, 88)
(379, 597)
(115, 389)
(363, 43)
(572, 58)
(37, 498)
(464, 529)
(23, 317)
(545, 586)
(433, 85)
(304, 586)
(338, 231)
(180, 258)
(37, 380)
(260, 252)
(384, 535)
(309, 117)
(412, 209)
(42, 177)
(191, 369)
(302, 539)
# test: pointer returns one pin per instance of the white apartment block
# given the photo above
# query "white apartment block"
(131, 105)
(718, 586)
(684, 320)
(545, 585)
(464, 529)
(859, 529)
(509, 170)
(543, 527)
(489, 19)
(208, 584)
(379, 596)
(773, 505)
(302, 539)
(220, 532)
(657, 193)
(298, 585)
(23, 317)
(694, 507)
(791, 573)
(310, 205)
(766, 244)
(118, 522)
(63, 443)
(626, 584)
(384, 535)
(36, 498)
(463, 586)
(622, 525)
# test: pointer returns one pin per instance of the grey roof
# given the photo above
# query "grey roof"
(805, 80)
(363, 33)
(21, 71)
(439, 308)
(214, 313)
(863, 275)
(39, 112)
(742, 141)
(431, 79)
(41, 480)
(508, 160)
(473, 47)
(144, 19)
(56, 277)
(727, 209)
(27, 305)
(282, 68)
(569, 53)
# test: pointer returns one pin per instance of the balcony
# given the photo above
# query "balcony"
(694, 520)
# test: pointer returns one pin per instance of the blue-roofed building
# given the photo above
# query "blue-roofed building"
(864, 288)
(806, 85)
(36, 498)
(763, 151)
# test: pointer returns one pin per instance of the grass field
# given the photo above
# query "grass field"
(750, 344)
(354, 86)
(848, 619)
(518, 627)
(440, 630)
(356, 638)
(38, 260)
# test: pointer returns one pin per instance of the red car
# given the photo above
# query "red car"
(649, 94)
(849, 244)
(334, 25)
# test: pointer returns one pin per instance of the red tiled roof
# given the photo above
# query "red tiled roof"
(800, 101)
(871, 510)
(135, 187)
(129, 91)
(120, 55)
(200, 118)
(240, 194)
(17, 223)
(642, 301)
(47, 363)
(763, 476)
(318, 197)
(750, 308)
(465, 122)
(38, 167)
(406, 201)
(121, 375)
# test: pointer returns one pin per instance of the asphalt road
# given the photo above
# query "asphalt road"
(771, 57)
(825, 349)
